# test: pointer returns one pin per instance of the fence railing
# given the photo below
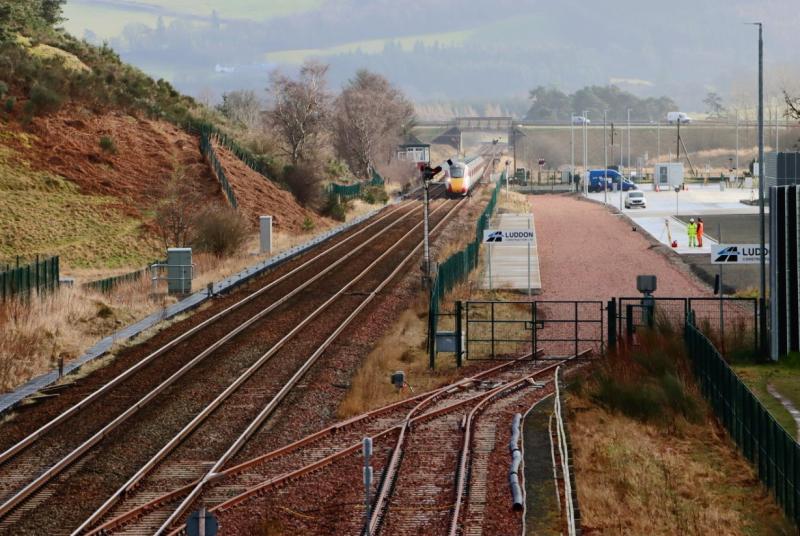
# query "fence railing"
(196, 126)
(456, 269)
(21, 280)
(770, 448)
(353, 191)
(207, 148)
(109, 283)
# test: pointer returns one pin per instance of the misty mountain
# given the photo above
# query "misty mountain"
(457, 50)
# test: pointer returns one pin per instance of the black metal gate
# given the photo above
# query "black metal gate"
(496, 330)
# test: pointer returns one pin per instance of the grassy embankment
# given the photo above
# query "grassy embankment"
(650, 456)
(784, 377)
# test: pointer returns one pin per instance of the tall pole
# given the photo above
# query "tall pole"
(678, 142)
(572, 147)
(761, 189)
(629, 138)
(737, 142)
(427, 253)
(514, 133)
(586, 152)
(658, 137)
(605, 156)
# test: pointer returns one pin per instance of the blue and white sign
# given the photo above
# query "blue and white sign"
(737, 254)
(520, 236)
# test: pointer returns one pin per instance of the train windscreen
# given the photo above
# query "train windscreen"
(457, 172)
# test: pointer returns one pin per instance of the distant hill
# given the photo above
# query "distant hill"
(457, 49)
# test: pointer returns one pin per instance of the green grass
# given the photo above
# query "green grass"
(784, 378)
(372, 46)
(109, 18)
(46, 214)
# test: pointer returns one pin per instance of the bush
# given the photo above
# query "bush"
(3, 89)
(305, 182)
(44, 100)
(221, 232)
(10, 103)
(335, 210)
(308, 225)
(375, 195)
(108, 145)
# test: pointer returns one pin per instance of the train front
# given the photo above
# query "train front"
(457, 182)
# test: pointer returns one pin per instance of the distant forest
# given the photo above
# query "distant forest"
(548, 104)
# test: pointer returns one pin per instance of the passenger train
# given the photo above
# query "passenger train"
(461, 177)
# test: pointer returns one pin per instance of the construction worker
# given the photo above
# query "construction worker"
(691, 229)
(699, 232)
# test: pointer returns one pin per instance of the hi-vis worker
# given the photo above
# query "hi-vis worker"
(699, 232)
(691, 229)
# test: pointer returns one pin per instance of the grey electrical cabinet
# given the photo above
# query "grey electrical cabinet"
(179, 270)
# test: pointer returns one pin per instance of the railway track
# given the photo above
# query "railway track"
(310, 451)
(199, 433)
(29, 463)
(328, 448)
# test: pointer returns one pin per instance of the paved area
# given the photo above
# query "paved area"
(507, 265)
(667, 206)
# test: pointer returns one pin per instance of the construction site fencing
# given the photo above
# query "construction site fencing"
(110, 283)
(456, 269)
(21, 280)
(764, 442)
(207, 148)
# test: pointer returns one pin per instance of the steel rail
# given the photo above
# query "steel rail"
(33, 436)
(438, 393)
(256, 423)
(252, 369)
(84, 447)
(126, 517)
(461, 481)
(390, 475)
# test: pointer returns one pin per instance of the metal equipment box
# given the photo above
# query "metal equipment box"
(179, 270)
(668, 175)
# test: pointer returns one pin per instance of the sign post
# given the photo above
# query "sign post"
(737, 253)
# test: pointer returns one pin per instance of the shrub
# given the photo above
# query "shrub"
(44, 100)
(376, 194)
(108, 145)
(335, 210)
(3, 89)
(305, 182)
(10, 103)
(308, 224)
(221, 232)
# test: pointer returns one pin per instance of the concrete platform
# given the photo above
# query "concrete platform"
(506, 265)
(656, 226)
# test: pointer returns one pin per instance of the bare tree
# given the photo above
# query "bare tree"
(300, 109)
(177, 203)
(369, 119)
(792, 105)
(714, 105)
(242, 107)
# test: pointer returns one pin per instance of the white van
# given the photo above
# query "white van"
(678, 117)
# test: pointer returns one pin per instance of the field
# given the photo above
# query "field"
(107, 18)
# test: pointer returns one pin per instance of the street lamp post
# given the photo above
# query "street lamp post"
(605, 159)
(585, 152)
(572, 148)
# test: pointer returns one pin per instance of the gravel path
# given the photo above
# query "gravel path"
(588, 253)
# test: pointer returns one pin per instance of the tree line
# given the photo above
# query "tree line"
(551, 104)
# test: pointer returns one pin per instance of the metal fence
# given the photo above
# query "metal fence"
(109, 283)
(732, 323)
(207, 148)
(203, 128)
(353, 191)
(494, 329)
(21, 280)
(775, 453)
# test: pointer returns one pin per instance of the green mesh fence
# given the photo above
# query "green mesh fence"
(207, 148)
(774, 453)
(354, 191)
(109, 283)
(195, 126)
(21, 280)
(457, 268)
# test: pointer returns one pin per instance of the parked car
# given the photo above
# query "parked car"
(597, 178)
(678, 117)
(580, 120)
(635, 199)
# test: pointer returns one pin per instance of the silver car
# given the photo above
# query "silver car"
(635, 198)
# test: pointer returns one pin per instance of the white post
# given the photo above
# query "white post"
(605, 155)
(658, 142)
(737, 142)
(629, 138)
(572, 146)
(266, 234)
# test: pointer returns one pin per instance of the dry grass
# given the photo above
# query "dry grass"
(359, 207)
(640, 479)
(403, 348)
(34, 334)
(650, 458)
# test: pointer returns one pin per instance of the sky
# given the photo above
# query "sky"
(463, 51)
